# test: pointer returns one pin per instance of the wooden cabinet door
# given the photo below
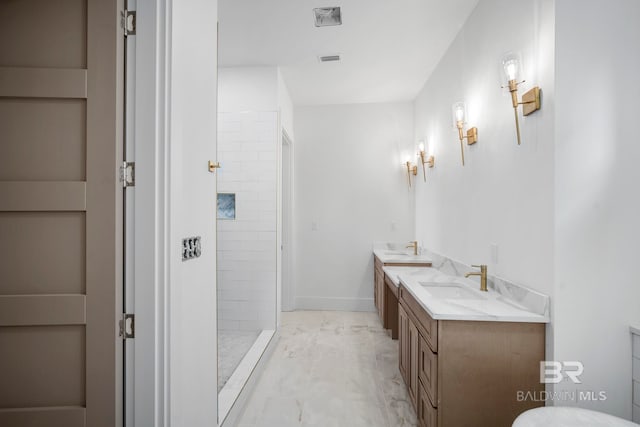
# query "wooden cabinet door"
(390, 308)
(375, 287)
(428, 371)
(403, 341)
(381, 302)
(413, 350)
(378, 292)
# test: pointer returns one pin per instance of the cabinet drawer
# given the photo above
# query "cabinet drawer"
(427, 414)
(636, 369)
(636, 346)
(636, 393)
(428, 371)
(428, 327)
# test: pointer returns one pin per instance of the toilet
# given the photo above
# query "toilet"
(559, 416)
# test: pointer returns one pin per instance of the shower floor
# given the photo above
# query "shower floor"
(232, 347)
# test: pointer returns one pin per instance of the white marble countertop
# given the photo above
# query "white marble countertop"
(559, 416)
(394, 272)
(463, 300)
(635, 330)
(404, 256)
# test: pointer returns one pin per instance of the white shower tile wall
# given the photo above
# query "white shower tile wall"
(247, 151)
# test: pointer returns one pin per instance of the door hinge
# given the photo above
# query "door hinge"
(128, 22)
(127, 326)
(128, 174)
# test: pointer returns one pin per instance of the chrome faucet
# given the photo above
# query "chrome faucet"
(414, 244)
(483, 276)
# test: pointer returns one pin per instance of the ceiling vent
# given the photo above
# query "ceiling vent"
(329, 58)
(327, 16)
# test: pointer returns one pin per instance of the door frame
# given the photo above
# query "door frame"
(149, 376)
(159, 357)
(287, 289)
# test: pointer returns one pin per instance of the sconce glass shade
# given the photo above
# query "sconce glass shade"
(459, 113)
(512, 66)
(421, 146)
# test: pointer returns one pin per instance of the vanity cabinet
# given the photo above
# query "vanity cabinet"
(413, 339)
(391, 306)
(378, 290)
(427, 415)
(385, 294)
(636, 374)
(403, 344)
(409, 362)
(428, 371)
(467, 373)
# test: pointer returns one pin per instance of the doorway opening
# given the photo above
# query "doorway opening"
(288, 297)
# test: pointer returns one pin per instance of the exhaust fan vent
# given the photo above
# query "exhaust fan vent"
(327, 16)
(329, 58)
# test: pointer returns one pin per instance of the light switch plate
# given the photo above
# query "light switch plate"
(191, 248)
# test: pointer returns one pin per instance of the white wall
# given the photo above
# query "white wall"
(560, 207)
(285, 106)
(504, 194)
(348, 181)
(191, 104)
(247, 89)
(596, 205)
(255, 89)
(247, 147)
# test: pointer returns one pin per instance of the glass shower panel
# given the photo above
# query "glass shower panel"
(247, 241)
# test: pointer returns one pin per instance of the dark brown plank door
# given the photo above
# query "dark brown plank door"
(60, 213)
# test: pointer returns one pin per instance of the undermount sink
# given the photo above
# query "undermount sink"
(395, 253)
(450, 291)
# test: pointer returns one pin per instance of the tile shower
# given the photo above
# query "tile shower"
(247, 243)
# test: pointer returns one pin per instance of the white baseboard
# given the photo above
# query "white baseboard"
(334, 304)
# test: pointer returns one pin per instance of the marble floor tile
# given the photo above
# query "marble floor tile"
(281, 411)
(331, 369)
(336, 411)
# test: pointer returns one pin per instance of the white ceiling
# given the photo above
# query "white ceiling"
(388, 47)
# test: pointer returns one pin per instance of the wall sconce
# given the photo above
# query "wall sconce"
(459, 117)
(430, 160)
(411, 169)
(512, 65)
